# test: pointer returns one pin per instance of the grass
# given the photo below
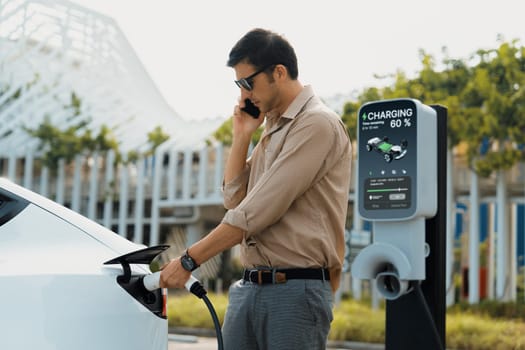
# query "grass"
(186, 310)
(356, 321)
(474, 331)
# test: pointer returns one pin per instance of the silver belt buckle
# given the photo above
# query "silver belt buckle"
(257, 278)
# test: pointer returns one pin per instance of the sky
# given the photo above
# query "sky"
(341, 45)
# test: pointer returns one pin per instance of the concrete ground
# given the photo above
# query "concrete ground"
(177, 342)
(190, 342)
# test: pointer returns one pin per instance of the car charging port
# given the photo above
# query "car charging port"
(153, 300)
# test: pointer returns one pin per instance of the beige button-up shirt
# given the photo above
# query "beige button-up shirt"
(292, 197)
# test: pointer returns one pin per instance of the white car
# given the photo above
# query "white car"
(68, 283)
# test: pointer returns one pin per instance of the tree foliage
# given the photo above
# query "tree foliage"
(499, 84)
(156, 137)
(66, 144)
(485, 97)
(57, 143)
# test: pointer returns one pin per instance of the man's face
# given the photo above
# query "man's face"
(262, 92)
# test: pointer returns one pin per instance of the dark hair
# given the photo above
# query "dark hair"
(262, 47)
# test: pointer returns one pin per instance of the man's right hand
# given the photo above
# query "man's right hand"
(244, 125)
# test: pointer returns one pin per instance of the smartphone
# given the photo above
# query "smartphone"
(251, 109)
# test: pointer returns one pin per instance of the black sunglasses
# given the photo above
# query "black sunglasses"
(247, 83)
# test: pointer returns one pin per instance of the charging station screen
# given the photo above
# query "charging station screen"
(387, 136)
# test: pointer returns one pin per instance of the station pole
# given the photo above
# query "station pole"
(416, 320)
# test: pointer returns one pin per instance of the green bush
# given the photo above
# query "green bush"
(493, 309)
(479, 327)
(471, 331)
(357, 321)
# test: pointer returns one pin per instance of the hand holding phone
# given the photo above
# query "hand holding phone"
(251, 109)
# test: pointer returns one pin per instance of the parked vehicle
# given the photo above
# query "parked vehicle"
(56, 290)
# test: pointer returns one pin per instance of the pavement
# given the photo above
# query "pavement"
(191, 342)
(185, 342)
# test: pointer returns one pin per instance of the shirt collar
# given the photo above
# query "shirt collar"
(297, 104)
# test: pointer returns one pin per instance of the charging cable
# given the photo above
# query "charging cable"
(152, 282)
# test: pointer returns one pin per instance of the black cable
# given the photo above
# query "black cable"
(419, 292)
(215, 322)
(197, 289)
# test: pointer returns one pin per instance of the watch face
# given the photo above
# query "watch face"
(187, 263)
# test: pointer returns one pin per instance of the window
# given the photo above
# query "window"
(10, 206)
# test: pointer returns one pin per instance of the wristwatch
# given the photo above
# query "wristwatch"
(187, 262)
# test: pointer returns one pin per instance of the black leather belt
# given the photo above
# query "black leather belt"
(267, 276)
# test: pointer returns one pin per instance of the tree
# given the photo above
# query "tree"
(429, 86)
(497, 91)
(156, 137)
(78, 139)
(66, 144)
(497, 96)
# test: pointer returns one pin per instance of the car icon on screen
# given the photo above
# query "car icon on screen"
(388, 150)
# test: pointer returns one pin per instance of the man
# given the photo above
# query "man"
(287, 205)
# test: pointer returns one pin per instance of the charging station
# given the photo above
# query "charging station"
(401, 190)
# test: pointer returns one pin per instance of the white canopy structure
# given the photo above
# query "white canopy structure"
(70, 66)
(51, 50)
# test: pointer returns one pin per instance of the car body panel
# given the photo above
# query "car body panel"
(56, 291)
(91, 228)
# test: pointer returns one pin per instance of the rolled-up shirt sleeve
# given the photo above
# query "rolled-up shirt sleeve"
(235, 190)
(298, 165)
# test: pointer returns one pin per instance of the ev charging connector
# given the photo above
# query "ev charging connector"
(152, 282)
(397, 191)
